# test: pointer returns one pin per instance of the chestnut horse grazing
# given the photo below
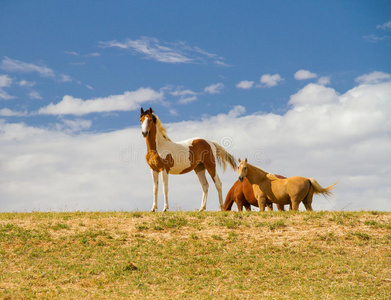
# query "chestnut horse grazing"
(243, 195)
(268, 187)
(169, 157)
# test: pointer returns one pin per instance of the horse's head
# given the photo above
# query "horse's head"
(147, 119)
(242, 169)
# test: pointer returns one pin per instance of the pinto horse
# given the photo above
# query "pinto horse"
(168, 157)
(243, 195)
(267, 187)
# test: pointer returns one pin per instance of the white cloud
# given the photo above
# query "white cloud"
(245, 84)
(5, 81)
(35, 95)
(313, 94)
(95, 54)
(304, 75)
(214, 88)
(324, 135)
(268, 80)
(325, 80)
(89, 87)
(374, 77)
(6, 112)
(13, 65)
(71, 53)
(65, 78)
(152, 48)
(187, 100)
(125, 102)
(185, 96)
(72, 126)
(26, 83)
(374, 38)
(385, 26)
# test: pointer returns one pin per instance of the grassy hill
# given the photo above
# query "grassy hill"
(189, 255)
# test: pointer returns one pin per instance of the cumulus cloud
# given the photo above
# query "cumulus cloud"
(374, 77)
(245, 84)
(326, 135)
(304, 75)
(268, 80)
(166, 52)
(214, 88)
(125, 102)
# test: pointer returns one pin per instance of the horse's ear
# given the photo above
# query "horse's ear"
(141, 111)
(239, 160)
(245, 160)
(150, 110)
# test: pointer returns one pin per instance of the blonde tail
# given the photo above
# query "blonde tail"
(320, 190)
(223, 157)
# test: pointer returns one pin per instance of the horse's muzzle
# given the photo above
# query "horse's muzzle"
(241, 178)
(145, 134)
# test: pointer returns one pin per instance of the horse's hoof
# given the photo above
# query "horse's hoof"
(165, 209)
(202, 209)
(153, 209)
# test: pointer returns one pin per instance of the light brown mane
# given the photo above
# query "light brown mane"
(161, 128)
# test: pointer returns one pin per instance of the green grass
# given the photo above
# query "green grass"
(192, 255)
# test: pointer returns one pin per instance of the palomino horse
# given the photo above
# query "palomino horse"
(169, 157)
(267, 187)
(243, 195)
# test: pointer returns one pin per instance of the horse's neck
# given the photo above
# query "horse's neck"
(255, 174)
(156, 140)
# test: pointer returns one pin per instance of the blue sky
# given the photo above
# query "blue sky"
(209, 43)
(270, 80)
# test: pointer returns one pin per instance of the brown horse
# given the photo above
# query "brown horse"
(267, 187)
(243, 195)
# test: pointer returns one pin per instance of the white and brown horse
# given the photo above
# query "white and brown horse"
(168, 157)
(292, 190)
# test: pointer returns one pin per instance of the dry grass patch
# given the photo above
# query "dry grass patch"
(251, 255)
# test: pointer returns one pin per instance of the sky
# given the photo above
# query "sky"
(298, 87)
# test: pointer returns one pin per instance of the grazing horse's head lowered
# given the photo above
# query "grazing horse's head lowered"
(242, 169)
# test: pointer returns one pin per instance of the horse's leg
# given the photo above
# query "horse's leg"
(248, 208)
(260, 196)
(219, 188)
(155, 177)
(239, 204)
(269, 205)
(308, 199)
(200, 171)
(294, 204)
(280, 207)
(165, 189)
